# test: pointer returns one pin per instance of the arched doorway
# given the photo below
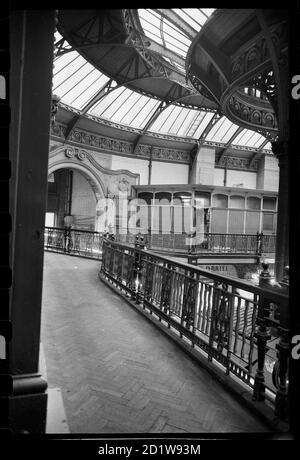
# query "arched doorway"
(73, 191)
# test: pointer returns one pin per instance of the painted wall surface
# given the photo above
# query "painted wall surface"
(162, 173)
(104, 159)
(235, 178)
(219, 177)
(83, 202)
(134, 165)
(169, 173)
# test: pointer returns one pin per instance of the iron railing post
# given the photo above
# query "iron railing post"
(139, 244)
(280, 370)
(262, 335)
(259, 243)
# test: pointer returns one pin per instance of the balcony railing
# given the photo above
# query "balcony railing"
(74, 242)
(206, 243)
(89, 244)
(237, 326)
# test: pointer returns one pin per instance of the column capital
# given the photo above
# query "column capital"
(280, 150)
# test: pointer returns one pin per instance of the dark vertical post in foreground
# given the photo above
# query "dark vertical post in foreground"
(31, 50)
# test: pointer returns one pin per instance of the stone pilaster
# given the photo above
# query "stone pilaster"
(267, 174)
(203, 168)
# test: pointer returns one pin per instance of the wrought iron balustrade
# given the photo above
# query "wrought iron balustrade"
(73, 241)
(88, 244)
(236, 324)
(206, 243)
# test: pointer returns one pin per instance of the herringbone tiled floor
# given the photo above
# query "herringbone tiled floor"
(117, 372)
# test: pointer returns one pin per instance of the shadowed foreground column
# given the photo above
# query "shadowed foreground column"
(31, 48)
(280, 150)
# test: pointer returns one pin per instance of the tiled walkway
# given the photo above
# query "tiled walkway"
(117, 372)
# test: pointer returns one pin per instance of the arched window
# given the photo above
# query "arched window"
(237, 202)
(219, 201)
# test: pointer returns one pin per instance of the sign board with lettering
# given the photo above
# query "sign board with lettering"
(220, 269)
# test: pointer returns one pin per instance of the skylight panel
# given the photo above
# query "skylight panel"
(110, 111)
(195, 16)
(158, 125)
(231, 129)
(238, 138)
(182, 13)
(207, 11)
(90, 88)
(67, 67)
(165, 32)
(257, 140)
(206, 119)
(183, 116)
(150, 22)
(191, 123)
(143, 115)
(126, 107)
(175, 40)
(71, 78)
(268, 146)
(64, 60)
(79, 88)
(217, 131)
(105, 102)
(248, 136)
(174, 113)
(172, 31)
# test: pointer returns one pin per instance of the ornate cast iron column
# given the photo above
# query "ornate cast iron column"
(280, 150)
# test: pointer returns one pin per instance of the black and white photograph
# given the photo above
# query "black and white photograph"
(149, 215)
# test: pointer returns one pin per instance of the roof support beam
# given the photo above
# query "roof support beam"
(258, 154)
(177, 21)
(228, 144)
(210, 125)
(105, 89)
(154, 116)
(255, 157)
(161, 50)
(263, 144)
(61, 47)
(162, 106)
(207, 84)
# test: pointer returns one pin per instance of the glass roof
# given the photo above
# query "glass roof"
(126, 107)
(249, 138)
(170, 32)
(77, 83)
(181, 121)
(75, 80)
(164, 32)
(222, 131)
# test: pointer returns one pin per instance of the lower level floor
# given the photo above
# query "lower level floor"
(118, 373)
